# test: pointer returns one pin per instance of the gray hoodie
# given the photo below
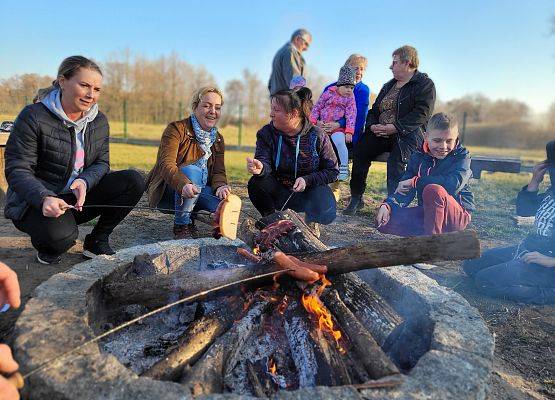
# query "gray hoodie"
(52, 101)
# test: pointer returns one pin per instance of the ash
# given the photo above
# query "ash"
(141, 345)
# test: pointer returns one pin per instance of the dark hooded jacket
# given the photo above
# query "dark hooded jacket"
(415, 106)
(542, 206)
(315, 159)
(453, 173)
(40, 155)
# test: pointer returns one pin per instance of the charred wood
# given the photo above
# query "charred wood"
(368, 306)
(195, 340)
(207, 375)
(255, 381)
(371, 355)
(300, 240)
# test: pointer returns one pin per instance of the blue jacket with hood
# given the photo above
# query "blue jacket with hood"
(453, 173)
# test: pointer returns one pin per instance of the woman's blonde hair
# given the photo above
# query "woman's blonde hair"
(357, 59)
(197, 95)
(67, 69)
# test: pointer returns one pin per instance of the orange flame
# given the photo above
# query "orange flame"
(256, 250)
(314, 305)
(271, 366)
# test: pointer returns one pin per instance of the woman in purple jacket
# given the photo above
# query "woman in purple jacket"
(294, 161)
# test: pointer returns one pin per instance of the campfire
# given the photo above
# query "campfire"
(283, 335)
(327, 329)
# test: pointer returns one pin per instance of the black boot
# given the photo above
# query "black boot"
(355, 204)
(93, 247)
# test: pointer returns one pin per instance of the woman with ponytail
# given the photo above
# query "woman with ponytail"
(57, 162)
(294, 161)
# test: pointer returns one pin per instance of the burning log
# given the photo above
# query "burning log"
(375, 361)
(317, 361)
(195, 340)
(157, 290)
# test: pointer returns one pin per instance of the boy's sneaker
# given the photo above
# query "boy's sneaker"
(48, 259)
(343, 173)
(93, 247)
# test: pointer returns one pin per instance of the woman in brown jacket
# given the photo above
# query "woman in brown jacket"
(189, 173)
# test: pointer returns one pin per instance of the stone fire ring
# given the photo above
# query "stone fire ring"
(456, 366)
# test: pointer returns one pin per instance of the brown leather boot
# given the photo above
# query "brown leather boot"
(188, 231)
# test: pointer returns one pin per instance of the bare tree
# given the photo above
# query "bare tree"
(551, 117)
(19, 90)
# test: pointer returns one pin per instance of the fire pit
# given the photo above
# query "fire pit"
(256, 342)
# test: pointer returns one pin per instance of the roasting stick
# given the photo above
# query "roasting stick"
(72, 207)
(47, 363)
(287, 201)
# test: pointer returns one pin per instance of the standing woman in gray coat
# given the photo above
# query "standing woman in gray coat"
(58, 167)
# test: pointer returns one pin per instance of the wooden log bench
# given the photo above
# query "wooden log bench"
(484, 163)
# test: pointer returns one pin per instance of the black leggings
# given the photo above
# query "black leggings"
(317, 202)
(365, 151)
(57, 235)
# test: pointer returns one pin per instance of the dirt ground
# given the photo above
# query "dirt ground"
(524, 362)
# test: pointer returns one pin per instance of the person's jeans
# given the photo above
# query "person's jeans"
(268, 195)
(497, 273)
(205, 201)
(440, 213)
(56, 235)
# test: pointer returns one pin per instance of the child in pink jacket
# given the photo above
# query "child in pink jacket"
(336, 102)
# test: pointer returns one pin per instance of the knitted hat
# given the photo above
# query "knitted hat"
(347, 76)
(297, 81)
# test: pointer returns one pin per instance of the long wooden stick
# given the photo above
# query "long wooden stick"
(156, 290)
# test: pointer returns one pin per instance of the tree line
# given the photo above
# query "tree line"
(156, 91)
(159, 90)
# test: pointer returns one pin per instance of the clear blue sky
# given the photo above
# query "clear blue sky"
(500, 48)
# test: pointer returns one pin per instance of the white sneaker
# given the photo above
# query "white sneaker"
(343, 173)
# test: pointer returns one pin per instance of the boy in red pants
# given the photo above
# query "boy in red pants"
(438, 176)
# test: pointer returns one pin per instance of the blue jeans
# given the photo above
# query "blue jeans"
(205, 201)
(498, 274)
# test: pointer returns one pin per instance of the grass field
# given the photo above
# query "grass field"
(248, 138)
(494, 193)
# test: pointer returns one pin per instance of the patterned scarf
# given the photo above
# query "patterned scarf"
(205, 138)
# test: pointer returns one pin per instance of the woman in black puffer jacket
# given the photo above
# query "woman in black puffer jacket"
(57, 156)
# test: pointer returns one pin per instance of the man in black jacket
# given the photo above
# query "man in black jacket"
(395, 124)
